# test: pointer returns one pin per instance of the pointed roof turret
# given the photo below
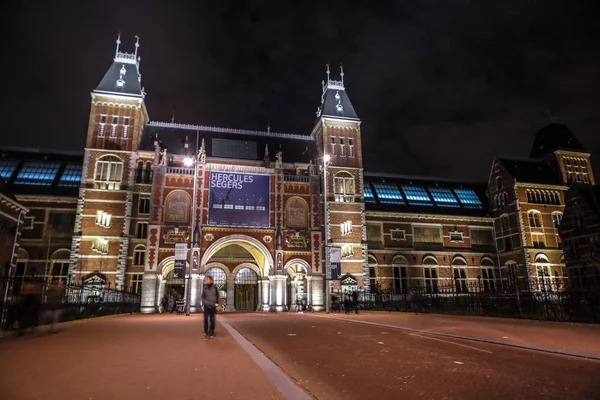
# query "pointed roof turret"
(334, 99)
(552, 137)
(123, 77)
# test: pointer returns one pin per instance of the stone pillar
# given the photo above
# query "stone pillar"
(293, 294)
(259, 299)
(230, 292)
(266, 288)
(278, 299)
(196, 292)
(318, 293)
(149, 294)
(308, 290)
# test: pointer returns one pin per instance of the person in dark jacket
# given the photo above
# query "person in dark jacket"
(210, 301)
(54, 302)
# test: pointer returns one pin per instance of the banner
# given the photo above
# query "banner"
(180, 260)
(335, 263)
(239, 200)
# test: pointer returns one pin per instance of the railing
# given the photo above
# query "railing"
(296, 178)
(569, 305)
(79, 302)
(180, 171)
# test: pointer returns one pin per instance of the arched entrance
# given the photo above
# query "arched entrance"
(246, 290)
(174, 287)
(297, 286)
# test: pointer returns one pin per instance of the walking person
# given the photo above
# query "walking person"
(355, 301)
(210, 302)
(56, 294)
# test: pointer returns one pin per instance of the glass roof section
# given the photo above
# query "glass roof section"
(369, 196)
(416, 195)
(37, 173)
(71, 176)
(443, 197)
(468, 198)
(7, 168)
(388, 193)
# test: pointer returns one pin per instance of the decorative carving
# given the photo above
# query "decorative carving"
(278, 239)
(296, 240)
(267, 239)
(163, 156)
(202, 155)
(279, 160)
(312, 169)
(175, 236)
(177, 209)
(296, 213)
(209, 237)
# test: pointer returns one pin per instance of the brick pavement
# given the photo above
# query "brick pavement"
(130, 357)
(334, 359)
(581, 339)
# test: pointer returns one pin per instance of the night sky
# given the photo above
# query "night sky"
(441, 86)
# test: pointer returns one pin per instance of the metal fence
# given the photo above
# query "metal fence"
(79, 301)
(568, 305)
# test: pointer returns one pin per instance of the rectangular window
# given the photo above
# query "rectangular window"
(482, 237)
(431, 279)
(388, 193)
(7, 168)
(374, 237)
(342, 147)
(443, 197)
(397, 234)
(136, 283)
(538, 241)
(500, 244)
(144, 205)
(126, 121)
(100, 246)
(103, 119)
(141, 231)
(333, 146)
(71, 176)
(416, 195)
(351, 141)
(368, 194)
(504, 223)
(427, 234)
(346, 228)
(344, 189)
(556, 219)
(115, 119)
(400, 279)
(341, 141)
(108, 175)
(139, 256)
(60, 271)
(487, 276)
(456, 236)
(28, 222)
(468, 198)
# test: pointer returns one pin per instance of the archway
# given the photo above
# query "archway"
(297, 284)
(258, 250)
(246, 288)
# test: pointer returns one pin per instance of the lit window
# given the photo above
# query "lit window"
(139, 255)
(344, 187)
(542, 196)
(7, 168)
(109, 171)
(100, 246)
(556, 219)
(346, 227)
(103, 219)
(537, 241)
(141, 231)
(427, 234)
(388, 193)
(459, 269)
(468, 198)
(443, 197)
(103, 119)
(347, 251)
(368, 194)
(136, 283)
(37, 173)
(535, 219)
(397, 234)
(416, 196)
(144, 205)
(71, 176)
(456, 236)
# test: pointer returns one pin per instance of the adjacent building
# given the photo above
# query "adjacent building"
(154, 207)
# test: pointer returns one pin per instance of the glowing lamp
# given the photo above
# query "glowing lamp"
(188, 162)
(326, 158)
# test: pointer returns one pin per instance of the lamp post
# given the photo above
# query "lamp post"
(188, 162)
(326, 159)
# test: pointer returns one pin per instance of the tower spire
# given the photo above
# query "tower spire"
(137, 44)
(118, 44)
(327, 72)
(342, 73)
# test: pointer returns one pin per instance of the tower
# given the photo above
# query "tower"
(102, 229)
(338, 138)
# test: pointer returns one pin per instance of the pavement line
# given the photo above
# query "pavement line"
(473, 339)
(282, 382)
(449, 342)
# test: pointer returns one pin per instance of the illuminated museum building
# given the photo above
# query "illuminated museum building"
(262, 222)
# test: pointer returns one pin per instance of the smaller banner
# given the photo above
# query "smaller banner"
(180, 259)
(335, 263)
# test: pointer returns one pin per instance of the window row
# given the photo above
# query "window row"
(143, 173)
(535, 219)
(576, 170)
(391, 193)
(114, 119)
(342, 146)
(501, 200)
(543, 196)
(432, 234)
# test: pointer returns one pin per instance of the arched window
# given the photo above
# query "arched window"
(139, 255)
(487, 274)
(556, 218)
(219, 277)
(546, 281)
(459, 270)
(109, 172)
(59, 268)
(535, 219)
(430, 273)
(246, 276)
(343, 186)
(373, 281)
(139, 172)
(400, 270)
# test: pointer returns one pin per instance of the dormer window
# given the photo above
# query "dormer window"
(115, 119)
(126, 121)
(341, 146)
(333, 145)
(103, 119)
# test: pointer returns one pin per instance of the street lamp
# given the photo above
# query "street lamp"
(326, 159)
(189, 162)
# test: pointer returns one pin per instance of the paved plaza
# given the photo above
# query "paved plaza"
(303, 356)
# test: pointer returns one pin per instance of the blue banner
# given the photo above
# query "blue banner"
(239, 200)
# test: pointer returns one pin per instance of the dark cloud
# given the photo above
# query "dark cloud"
(441, 86)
